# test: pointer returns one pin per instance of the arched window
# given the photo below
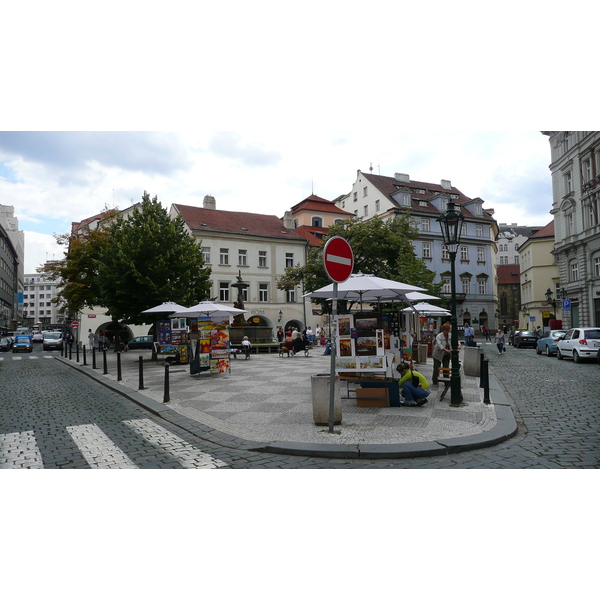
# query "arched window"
(317, 222)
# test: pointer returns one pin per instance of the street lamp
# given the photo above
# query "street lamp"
(550, 300)
(451, 224)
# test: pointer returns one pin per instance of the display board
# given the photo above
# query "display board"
(214, 346)
(173, 340)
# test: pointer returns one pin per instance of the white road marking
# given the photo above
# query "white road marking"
(11, 449)
(94, 444)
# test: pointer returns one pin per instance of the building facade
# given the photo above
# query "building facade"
(256, 248)
(12, 253)
(388, 197)
(575, 170)
(39, 302)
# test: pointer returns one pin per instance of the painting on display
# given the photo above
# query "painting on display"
(366, 346)
(345, 362)
(345, 347)
(344, 325)
(371, 362)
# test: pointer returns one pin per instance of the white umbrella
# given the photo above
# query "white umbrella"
(359, 286)
(165, 307)
(428, 309)
(209, 309)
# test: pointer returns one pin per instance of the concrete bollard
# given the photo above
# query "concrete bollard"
(321, 397)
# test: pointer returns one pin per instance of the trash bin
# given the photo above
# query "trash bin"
(320, 399)
(472, 361)
(422, 356)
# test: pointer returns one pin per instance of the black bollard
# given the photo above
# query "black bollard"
(70, 352)
(104, 360)
(141, 373)
(93, 357)
(77, 352)
(119, 378)
(166, 397)
(481, 359)
(486, 381)
(84, 357)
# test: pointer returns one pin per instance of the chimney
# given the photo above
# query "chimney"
(401, 177)
(210, 202)
(446, 184)
(288, 222)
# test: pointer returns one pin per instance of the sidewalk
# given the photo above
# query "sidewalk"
(265, 404)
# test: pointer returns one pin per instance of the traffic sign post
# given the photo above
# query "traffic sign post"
(338, 260)
(75, 324)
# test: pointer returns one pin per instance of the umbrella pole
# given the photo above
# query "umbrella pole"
(332, 368)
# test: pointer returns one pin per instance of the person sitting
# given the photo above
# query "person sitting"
(414, 395)
(246, 347)
(298, 345)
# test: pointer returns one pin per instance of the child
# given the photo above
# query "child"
(246, 347)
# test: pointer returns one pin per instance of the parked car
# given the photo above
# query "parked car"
(511, 335)
(37, 337)
(22, 343)
(525, 338)
(547, 344)
(579, 343)
(141, 342)
(5, 344)
(53, 340)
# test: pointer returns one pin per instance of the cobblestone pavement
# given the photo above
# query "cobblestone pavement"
(53, 417)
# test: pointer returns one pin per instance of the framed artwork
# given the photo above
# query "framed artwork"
(345, 362)
(346, 348)
(178, 324)
(371, 362)
(344, 325)
(366, 346)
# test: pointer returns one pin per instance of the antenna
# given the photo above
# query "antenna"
(371, 168)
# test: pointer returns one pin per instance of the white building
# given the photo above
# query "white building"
(39, 306)
(575, 169)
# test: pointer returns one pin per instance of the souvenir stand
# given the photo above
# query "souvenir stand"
(172, 342)
(211, 336)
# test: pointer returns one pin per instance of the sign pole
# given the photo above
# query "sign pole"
(332, 368)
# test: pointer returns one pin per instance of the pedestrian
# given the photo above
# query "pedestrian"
(441, 351)
(469, 334)
(295, 333)
(414, 386)
(125, 340)
(309, 335)
(486, 333)
(101, 340)
(318, 331)
(280, 335)
(500, 341)
(91, 339)
(247, 346)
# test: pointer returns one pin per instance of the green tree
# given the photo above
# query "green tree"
(381, 247)
(149, 258)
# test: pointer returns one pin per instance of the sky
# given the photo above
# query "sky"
(54, 178)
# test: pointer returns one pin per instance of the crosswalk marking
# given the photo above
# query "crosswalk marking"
(185, 453)
(98, 449)
(20, 447)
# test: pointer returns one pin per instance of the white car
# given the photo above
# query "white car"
(579, 343)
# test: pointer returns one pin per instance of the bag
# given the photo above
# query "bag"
(195, 366)
(415, 380)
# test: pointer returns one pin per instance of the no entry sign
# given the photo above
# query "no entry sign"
(338, 259)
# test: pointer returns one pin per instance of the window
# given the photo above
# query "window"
(366, 210)
(574, 271)
(289, 259)
(586, 170)
(446, 287)
(516, 247)
(481, 286)
(206, 254)
(405, 199)
(569, 224)
(464, 253)
(365, 192)
(425, 224)
(242, 258)
(377, 205)
(290, 295)
(504, 260)
(445, 253)
(262, 258)
(224, 256)
(41, 295)
(516, 259)
(479, 230)
(566, 141)
(463, 230)
(597, 266)
(317, 222)
(480, 253)
(426, 250)
(263, 292)
(466, 285)
(568, 182)
(355, 196)
(224, 291)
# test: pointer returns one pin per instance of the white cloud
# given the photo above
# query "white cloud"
(40, 248)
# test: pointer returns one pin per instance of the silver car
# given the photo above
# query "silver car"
(52, 340)
(579, 343)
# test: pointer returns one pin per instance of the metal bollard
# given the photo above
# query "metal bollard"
(104, 360)
(93, 357)
(141, 373)
(119, 378)
(70, 352)
(481, 359)
(485, 378)
(77, 352)
(84, 356)
(166, 397)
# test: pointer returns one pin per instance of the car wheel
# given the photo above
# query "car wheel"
(559, 354)
(576, 357)
(547, 351)
(537, 350)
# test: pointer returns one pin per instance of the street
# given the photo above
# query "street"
(52, 417)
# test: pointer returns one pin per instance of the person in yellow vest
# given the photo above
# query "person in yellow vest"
(414, 386)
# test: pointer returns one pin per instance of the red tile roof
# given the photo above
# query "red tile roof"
(241, 223)
(312, 234)
(508, 274)
(547, 231)
(315, 203)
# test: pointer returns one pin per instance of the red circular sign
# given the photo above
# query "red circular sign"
(338, 259)
(75, 324)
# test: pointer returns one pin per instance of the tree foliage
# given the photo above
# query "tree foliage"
(381, 247)
(130, 263)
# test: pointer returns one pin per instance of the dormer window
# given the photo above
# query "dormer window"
(317, 222)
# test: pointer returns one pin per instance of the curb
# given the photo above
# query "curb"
(505, 428)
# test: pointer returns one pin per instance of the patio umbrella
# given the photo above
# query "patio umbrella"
(359, 286)
(208, 309)
(165, 307)
(428, 309)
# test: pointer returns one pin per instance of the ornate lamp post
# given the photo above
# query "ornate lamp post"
(550, 300)
(451, 224)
